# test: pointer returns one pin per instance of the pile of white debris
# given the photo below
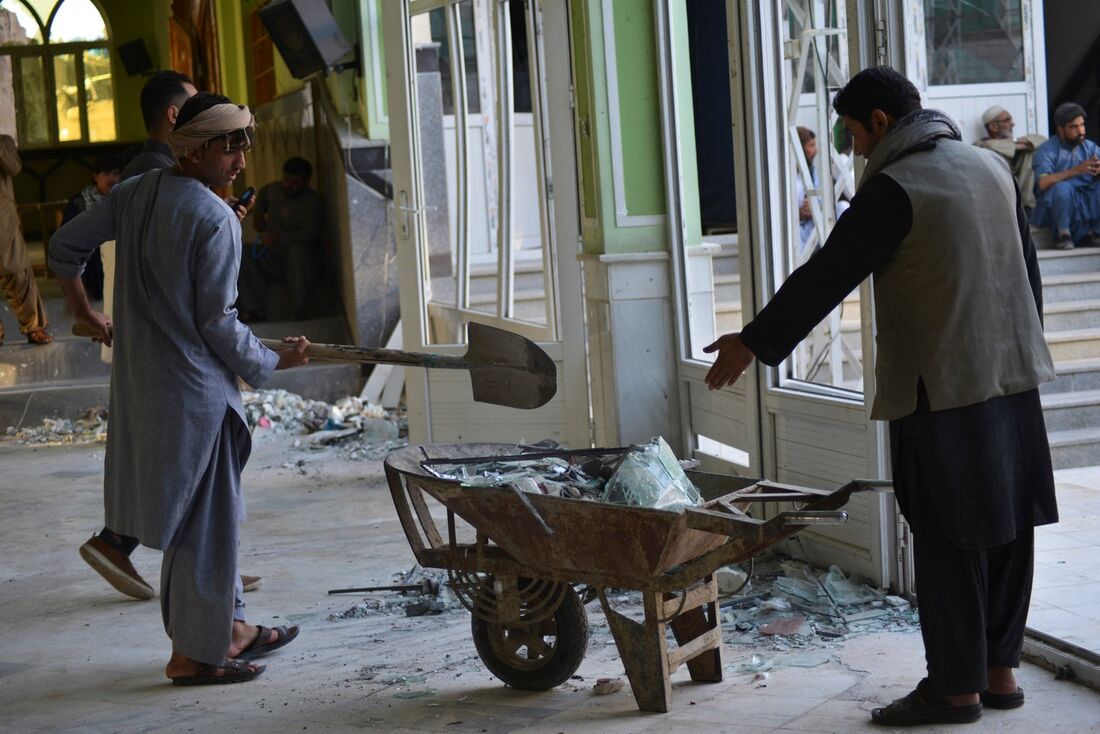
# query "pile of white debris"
(348, 420)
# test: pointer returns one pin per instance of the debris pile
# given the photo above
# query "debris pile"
(432, 596)
(645, 475)
(90, 427)
(790, 607)
(360, 430)
(285, 412)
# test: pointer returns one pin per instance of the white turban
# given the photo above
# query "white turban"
(213, 122)
(993, 113)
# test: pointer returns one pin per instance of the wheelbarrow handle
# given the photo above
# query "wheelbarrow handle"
(814, 517)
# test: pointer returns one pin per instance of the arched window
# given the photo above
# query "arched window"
(55, 67)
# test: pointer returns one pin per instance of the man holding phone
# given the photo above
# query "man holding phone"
(289, 219)
(1067, 188)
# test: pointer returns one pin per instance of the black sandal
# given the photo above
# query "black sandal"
(232, 671)
(1003, 700)
(924, 705)
(254, 650)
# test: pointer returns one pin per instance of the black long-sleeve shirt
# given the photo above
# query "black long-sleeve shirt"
(864, 240)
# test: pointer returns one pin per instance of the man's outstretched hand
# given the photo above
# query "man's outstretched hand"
(292, 354)
(732, 361)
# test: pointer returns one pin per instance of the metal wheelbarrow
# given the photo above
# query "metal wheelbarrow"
(517, 578)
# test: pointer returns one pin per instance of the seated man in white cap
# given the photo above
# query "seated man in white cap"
(1018, 151)
(175, 484)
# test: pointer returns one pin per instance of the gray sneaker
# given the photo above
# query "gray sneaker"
(1064, 242)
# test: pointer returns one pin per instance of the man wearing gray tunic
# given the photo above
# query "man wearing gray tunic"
(961, 354)
(172, 480)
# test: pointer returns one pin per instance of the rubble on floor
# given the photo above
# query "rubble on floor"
(358, 429)
(791, 614)
(406, 603)
(787, 613)
(90, 427)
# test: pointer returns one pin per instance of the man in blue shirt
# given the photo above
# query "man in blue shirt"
(1067, 181)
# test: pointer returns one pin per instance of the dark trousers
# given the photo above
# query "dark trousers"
(973, 607)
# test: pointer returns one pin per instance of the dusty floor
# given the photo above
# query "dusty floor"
(77, 657)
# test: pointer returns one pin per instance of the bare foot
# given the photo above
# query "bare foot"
(1002, 680)
(244, 634)
(180, 666)
(965, 699)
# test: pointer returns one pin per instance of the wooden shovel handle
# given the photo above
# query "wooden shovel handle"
(373, 355)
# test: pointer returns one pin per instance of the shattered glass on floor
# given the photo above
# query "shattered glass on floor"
(787, 614)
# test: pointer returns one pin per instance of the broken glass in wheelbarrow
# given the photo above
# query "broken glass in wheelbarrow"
(643, 475)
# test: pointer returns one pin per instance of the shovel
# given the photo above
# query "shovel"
(505, 368)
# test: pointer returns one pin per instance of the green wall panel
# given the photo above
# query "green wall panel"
(639, 106)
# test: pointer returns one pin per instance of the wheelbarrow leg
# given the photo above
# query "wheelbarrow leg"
(643, 646)
(644, 652)
(695, 623)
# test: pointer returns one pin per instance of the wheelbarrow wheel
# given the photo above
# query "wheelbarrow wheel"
(539, 656)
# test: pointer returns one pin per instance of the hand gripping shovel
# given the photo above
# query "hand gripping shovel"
(505, 368)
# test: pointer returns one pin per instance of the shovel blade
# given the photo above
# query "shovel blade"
(508, 369)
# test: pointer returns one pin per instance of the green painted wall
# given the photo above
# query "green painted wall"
(128, 21)
(638, 137)
(373, 109)
(685, 118)
(233, 40)
(639, 106)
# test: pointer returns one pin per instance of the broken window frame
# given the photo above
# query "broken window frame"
(815, 49)
(458, 310)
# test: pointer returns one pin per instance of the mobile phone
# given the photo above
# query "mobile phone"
(246, 196)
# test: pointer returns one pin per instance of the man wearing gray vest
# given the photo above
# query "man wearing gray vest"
(960, 356)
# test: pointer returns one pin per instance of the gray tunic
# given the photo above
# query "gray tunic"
(178, 344)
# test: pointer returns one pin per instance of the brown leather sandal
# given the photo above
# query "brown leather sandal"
(39, 337)
(231, 671)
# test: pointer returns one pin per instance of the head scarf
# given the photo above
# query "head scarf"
(1067, 112)
(213, 122)
(993, 113)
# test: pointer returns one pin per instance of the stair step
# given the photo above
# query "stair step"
(1071, 287)
(1063, 262)
(1074, 374)
(1071, 315)
(1072, 344)
(1075, 447)
(1071, 410)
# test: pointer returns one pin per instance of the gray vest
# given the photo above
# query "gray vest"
(954, 306)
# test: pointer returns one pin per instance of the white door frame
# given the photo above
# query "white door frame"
(439, 404)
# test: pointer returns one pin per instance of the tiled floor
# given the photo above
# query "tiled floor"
(1066, 597)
